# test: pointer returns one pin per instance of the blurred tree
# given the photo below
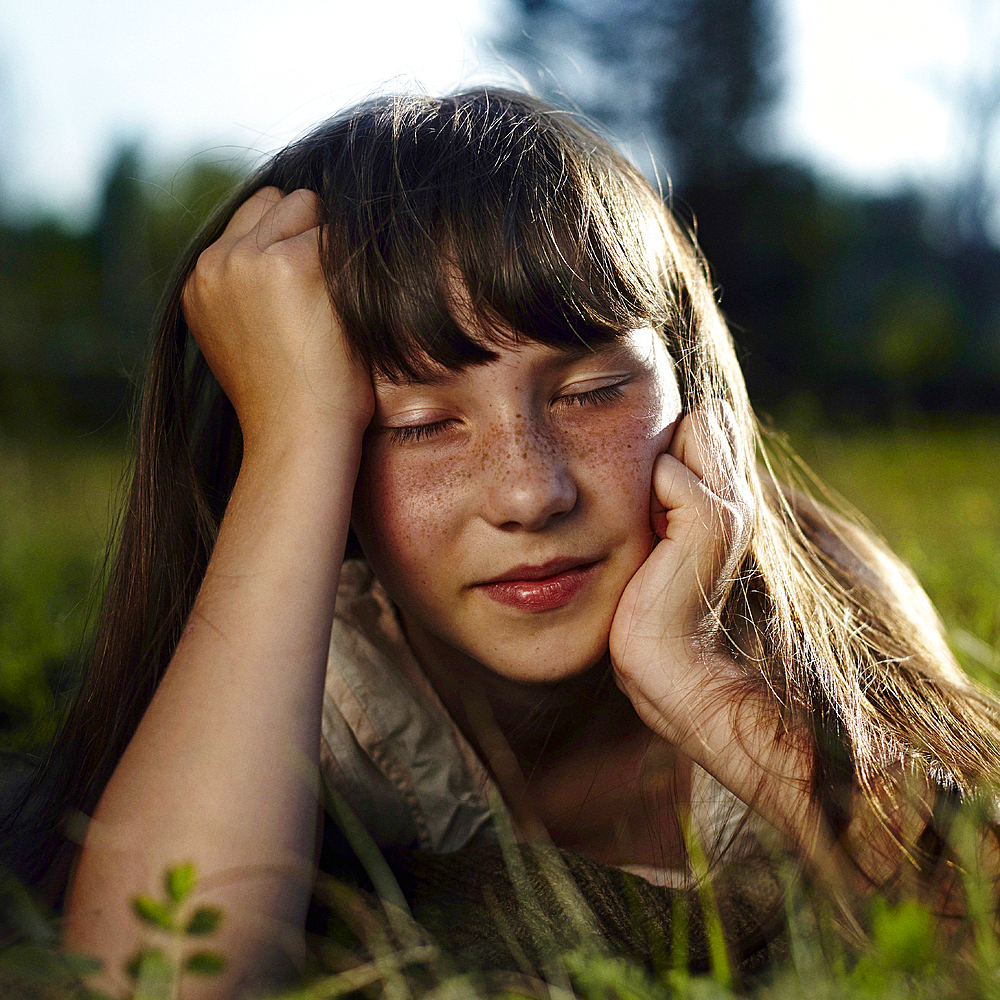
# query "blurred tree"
(607, 59)
(840, 303)
(122, 233)
(49, 285)
(78, 306)
(698, 74)
(720, 88)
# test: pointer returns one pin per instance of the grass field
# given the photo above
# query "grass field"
(55, 504)
(934, 493)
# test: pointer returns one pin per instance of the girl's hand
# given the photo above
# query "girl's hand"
(258, 306)
(664, 637)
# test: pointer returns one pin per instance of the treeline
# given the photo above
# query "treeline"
(846, 307)
(78, 305)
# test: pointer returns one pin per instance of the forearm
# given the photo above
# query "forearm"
(221, 770)
(736, 735)
(768, 760)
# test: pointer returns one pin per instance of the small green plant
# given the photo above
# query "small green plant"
(157, 969)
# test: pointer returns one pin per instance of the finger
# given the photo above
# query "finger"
(291, 216)
(698, 441)
(247, 217)
(720, 499)
(697, 481)
(702, 537)
(706, 442)
(679, 497)
(302, 251)
(200, 284)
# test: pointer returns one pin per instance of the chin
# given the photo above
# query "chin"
(537, 673)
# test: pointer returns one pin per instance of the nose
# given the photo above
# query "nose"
(528, 476)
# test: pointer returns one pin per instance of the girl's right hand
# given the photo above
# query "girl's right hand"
(237, 716)
(258, 307)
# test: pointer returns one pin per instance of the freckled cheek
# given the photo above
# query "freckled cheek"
(405, 511)
(620, 457)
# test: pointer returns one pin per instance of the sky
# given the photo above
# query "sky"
(869, 83)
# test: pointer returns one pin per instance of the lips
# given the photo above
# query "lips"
(542, 587)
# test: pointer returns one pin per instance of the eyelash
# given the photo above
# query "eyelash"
(592, 397)
(418, 432)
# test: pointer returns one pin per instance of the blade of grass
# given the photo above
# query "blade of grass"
(718, 953)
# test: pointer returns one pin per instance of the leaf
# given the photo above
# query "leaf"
(903, 936)
(154, 913)
(180, 881)
(204, 920)
(205, 963)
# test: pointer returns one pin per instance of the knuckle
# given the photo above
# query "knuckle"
(274, 267)
(206, 268)
(307, 197)
(196, 287)
(271, 195)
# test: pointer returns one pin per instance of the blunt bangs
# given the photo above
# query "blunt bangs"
(454, 227)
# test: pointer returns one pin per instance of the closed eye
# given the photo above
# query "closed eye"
(416, 432)
(592, 397)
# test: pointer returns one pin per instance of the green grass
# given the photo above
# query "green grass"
(934, 493)
(54, 519)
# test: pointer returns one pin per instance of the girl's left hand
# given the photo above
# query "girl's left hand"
(665, 633)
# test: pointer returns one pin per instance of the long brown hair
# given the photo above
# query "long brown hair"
(557, 237)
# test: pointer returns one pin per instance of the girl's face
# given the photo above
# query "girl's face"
(505, 507)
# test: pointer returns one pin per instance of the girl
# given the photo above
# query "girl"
(464, 340)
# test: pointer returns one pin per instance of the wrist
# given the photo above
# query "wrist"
(686, 698)
(313, 436)
(736, 732)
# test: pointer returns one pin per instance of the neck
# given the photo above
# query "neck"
(573, 761)
(527, 724)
